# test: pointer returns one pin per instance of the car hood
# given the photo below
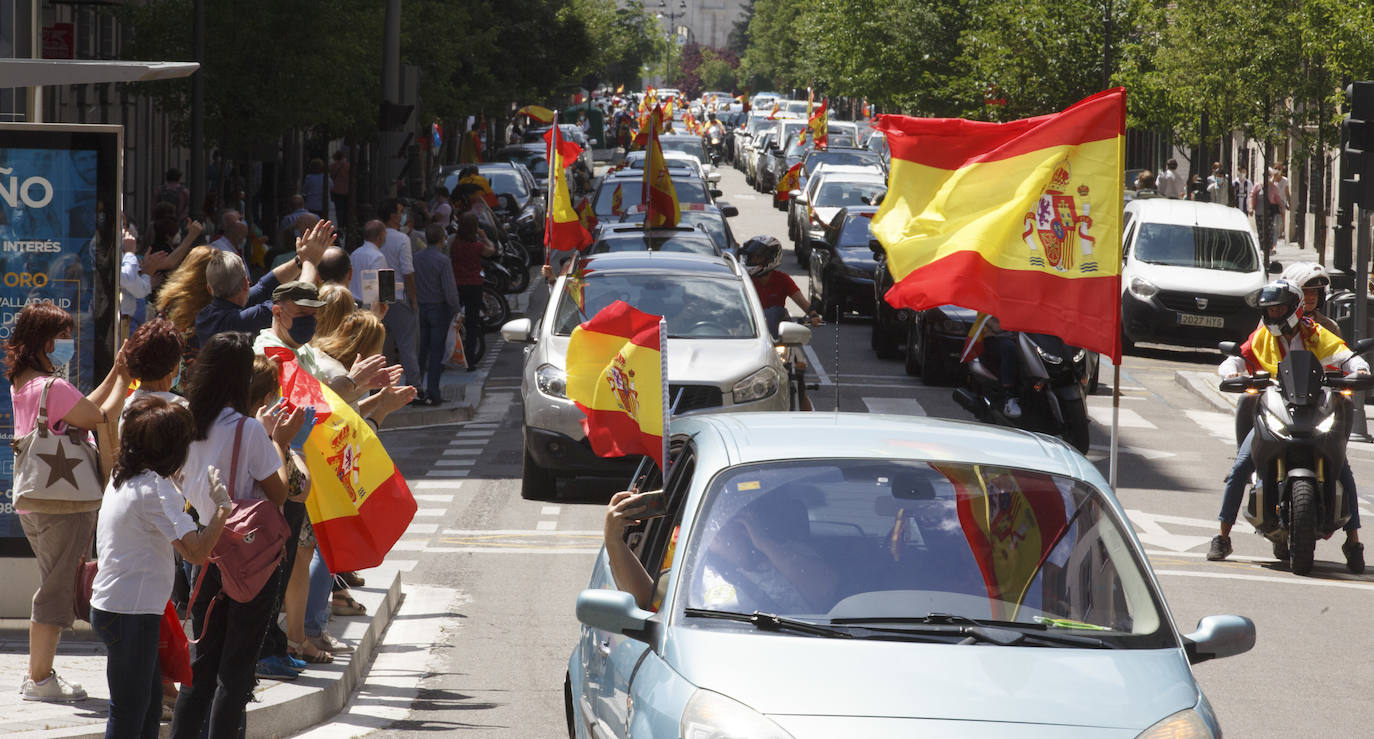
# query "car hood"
(719, 362)
(781, 675)
(1195, 279)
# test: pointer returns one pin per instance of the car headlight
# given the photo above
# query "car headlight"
(1186, 724)
(551, 381)
(713, 716)
(1142, 288)
(757, 386)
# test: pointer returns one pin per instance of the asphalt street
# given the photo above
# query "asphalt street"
(515, 566)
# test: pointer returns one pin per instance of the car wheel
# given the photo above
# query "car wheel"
(816, 295)
(933, 371)
(882, 342)
(912, 355)
(1092, 382)
(791, 225)
(568, 705)
(1127, 346)
(536, 483)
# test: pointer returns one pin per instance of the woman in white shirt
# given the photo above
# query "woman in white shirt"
(250, 452)
(141, 523)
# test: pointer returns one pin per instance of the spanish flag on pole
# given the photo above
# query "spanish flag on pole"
(818, 125)
(359, 503)
(616, 370)
(564, 230)
(791, 180)
(537, 112)
(1021, 220)
(659, 194)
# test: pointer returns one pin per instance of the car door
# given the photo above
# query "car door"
(656, 549)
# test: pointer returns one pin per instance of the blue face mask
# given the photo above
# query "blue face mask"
(62, 352)
(302, 329)
(405, 218)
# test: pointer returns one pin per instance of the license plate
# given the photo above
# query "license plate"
(1188, 319)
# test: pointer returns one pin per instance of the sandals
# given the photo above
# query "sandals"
(344, 605)
(303, 651)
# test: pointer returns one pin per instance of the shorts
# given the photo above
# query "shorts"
(307, 538)
(58, 540)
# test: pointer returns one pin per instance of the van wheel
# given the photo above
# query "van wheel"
(536, 483)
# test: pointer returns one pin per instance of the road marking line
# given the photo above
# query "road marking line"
(550, 510)
(816, 368)
(470, 442)
(1152, 553)
(546, 525)
(895, 406)
(454, 462)
(1129, 419)
(401, 565)
(462, 452)
(422, 528)
(449, 485)
(529, 532)
(1269, 578)
(1220, 425)
(410, 545)
(429, 512)
(432, 498)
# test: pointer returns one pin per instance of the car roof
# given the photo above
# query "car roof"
(1188, 213)
(699, 264)
(850, 171)
(771, 436)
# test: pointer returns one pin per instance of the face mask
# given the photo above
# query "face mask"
(302, 329)
(62, 352)
(405, 218)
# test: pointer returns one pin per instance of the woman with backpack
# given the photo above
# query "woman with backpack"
(251, 452)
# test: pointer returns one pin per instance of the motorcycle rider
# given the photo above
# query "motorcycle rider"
(1002, 346)
(1285, 327)
(762, 255)
(1315, 284)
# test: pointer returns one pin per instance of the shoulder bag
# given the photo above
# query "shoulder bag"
(49, 466)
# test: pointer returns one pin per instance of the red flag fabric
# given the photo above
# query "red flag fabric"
(563, 230)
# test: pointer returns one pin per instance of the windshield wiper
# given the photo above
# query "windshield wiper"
(770, 622)
(1005, 633)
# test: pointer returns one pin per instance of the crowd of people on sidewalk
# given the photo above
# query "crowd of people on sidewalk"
(194, 402)
(1266, 201)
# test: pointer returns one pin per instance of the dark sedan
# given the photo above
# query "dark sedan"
(933, 338)
(842, 264)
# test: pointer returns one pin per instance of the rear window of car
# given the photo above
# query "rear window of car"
(1202, 247)
(695, 306)
(686, 243)
(688, 189)
(835, 194)
(856, 231)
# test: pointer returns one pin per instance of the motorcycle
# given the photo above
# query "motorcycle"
(715, 144)
(1052, 389)
(1301, 423)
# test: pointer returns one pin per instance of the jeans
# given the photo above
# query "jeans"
(1005, 347)
(318, 602)
(226, 658)
(132, 671)
(274, 641)
(401, 326)
(1244, 467)
(471, 298)
(434, 322)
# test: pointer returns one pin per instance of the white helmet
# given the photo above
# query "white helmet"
(1307, 274)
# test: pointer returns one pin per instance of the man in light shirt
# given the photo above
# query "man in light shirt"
(233, 233)
(1170, 184)
(402, 319)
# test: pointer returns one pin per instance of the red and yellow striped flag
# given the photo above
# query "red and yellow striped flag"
(818, 125)
(359, 503)
(658, 193)
(564, 231)
(537, 112)
(616, 376)
(791, 180)
(1021, 220)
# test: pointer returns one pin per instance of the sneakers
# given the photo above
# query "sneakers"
(1011, 409)
(1354, 556)
(1220, 549)
(276, 668)
(299, 665)
(326, 642)
(52, 690)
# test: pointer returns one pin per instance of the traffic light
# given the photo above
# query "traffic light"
(1357, 146)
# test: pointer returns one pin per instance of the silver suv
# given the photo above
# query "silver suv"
(720, 354)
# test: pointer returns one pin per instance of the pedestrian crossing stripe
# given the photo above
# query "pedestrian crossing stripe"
(1129, 419)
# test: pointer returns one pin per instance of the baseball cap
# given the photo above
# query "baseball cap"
(299, 292)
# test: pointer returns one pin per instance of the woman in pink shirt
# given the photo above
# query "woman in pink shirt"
(59, 532)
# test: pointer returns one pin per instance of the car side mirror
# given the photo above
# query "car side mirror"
(876, 247)
(615, 611)
(796, 195)
(793, 334)
(716, 193)
(727, 210)
(1275, 268)
(518, 331)
(1219, 636)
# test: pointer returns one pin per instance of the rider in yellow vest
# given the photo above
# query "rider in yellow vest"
(1284, 327)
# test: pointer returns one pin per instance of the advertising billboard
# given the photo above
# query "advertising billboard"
(60, 206)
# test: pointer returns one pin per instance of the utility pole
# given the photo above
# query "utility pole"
(389, 138)
(1106, 44)
(1357, 187)
(197, 174)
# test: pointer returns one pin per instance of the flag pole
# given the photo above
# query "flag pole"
(663, 381)
(553, 165)
(1116, 417)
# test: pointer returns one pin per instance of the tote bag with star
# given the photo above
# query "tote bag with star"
(49, 466)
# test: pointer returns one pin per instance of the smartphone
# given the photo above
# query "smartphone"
(386, 285)
(654, 505)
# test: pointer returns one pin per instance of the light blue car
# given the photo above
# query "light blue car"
(855, 575)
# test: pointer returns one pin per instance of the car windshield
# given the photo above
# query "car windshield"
(502, 180)
(535, 161)
(796, 148)
(1176, 245)
(687, 146)
(841, 139)
(689, 189)
(856, 231)
(873, 540)
(849, 158)
(839, 193)
(696, 306)
(685, 243)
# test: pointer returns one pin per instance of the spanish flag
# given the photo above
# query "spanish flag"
(619, 89)
(1021, 219)
(658, 194)
(359, 503)
(564, 230)
(791, 180)
(616, 376)
(585, 214)
(818, 126)
(537, 112)
(617, 202)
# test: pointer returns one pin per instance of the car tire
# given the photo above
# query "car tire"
(881, 340)
(1093, 381)
(1127, 346)
(817, 297)
(933, 371)
(536, 483)
(791, 225)
(911, 359)
(568, 705)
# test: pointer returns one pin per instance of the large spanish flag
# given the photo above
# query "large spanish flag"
(564, 230)
(616, 375)
(359, 503)
(658, 192)
(1021, 220)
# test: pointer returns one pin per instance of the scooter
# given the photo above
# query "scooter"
(1301, 422)
(1052, 389)
(715, 144)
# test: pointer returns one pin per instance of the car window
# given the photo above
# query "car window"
(797, 149)
(866, 539)
(843, 139)
(687, 146)
(856, 231)
(682, 244)
(712, 222)
(695, 306)
(1177, 245)
(839, 193)
(851, 158)
(689, 189)
(659, 548)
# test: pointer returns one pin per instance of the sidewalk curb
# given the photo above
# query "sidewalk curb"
(1203, 385)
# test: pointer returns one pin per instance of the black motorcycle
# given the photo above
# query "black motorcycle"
(1052, 389)
(1301, 424)
(715, 144)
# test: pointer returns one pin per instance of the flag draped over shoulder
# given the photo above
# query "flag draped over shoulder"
(359, 503)
(1021, 219)
(615, 376)
(658, 192)
(564, 231)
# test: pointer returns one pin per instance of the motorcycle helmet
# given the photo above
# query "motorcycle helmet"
(1286, 295)
(762, 254)
(1308, 276)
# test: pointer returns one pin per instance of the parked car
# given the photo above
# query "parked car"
(833, 188)
(534, 157)
(857, 575)
(842, 264)
(720, 355)
(1191, 271)
(568, 132)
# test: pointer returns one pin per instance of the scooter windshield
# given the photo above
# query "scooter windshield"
(1300, 377)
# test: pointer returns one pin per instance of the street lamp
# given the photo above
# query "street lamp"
(672, 12)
